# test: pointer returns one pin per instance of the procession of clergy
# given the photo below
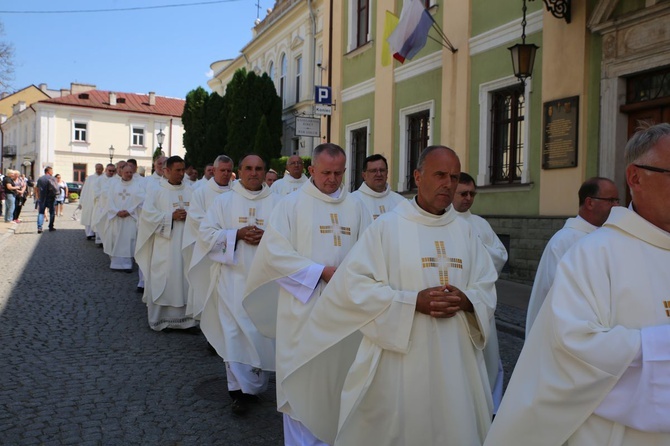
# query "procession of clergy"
(376, 311)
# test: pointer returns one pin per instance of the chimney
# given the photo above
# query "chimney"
(43, 87)
(64, 92)
(112, 98)
(152, 98)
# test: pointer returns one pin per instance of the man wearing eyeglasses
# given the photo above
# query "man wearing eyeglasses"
(463, 201)
(596, 369)
(597, 196)
(295, 178)
(375, 193)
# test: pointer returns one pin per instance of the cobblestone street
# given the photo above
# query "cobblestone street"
(80, 365)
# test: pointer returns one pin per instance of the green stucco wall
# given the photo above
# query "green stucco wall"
(489, 14)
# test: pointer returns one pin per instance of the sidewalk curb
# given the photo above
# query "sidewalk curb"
(10, 231)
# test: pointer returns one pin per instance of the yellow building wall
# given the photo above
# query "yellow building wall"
(29, 95)
(563, 75)
(384, 141)
(456, 78)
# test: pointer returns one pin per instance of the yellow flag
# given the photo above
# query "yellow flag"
(389, 25)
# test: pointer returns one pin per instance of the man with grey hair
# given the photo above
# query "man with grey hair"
(198, 266)
(393, 345)
(308, 235)
(595, 369)
(155, 178)
(293, 180)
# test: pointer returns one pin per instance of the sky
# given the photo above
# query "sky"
(165, 50)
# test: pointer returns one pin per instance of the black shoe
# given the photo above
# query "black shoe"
(140, 289)
(52, 229)
(39, 230)
(90, 237)
(239, 407)
(127, 271)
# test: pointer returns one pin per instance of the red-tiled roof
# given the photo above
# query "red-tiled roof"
(129, 102)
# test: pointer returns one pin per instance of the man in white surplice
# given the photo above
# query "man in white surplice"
(124, 204)
(208, 175)
(87, 200)
(596, 369)
(309, 234)
(99, 217)
(158, 252)
(198, 263)
(153, 180)
(231, 231)
(295, 178)
(393, 347)
(375, 193)
(597, 196)
(463, 201)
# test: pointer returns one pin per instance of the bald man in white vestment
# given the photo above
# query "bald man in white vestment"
(231, 230)
(158, 251)
(375, 193)
(295, 178)
(595, 369)
(597, 196)
(309, 234)
(198, 264)
(396, 337)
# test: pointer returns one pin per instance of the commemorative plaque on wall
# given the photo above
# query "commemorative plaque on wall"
(559, 145)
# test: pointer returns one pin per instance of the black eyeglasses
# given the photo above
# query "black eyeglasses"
(652, 168)
(609, 200)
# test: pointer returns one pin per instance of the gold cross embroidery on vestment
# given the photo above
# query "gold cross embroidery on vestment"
(441, 262)
(666, 304)
(335, 229)
(181, 204)
(382, 210)
(251, 220)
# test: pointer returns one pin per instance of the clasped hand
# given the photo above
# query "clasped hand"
(442, 301)
(179, 214)
(250, 234)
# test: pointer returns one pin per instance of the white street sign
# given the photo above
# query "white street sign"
(307, 126)
(323, 109)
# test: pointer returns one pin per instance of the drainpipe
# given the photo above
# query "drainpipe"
(330, 63)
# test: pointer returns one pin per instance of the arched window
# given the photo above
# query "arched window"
(271, 71)
(282, 78)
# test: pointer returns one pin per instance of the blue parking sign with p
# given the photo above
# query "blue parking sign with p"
(322, 95)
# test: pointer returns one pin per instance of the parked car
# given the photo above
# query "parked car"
(74, 187)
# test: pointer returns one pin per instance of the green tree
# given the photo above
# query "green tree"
(6, 62)
(194, 119)
(249, 98)
(216, 133)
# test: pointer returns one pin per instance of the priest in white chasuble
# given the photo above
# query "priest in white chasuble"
(124, 204)
(309, 234)
(87, 200)
(393, 348)
(464, 198)
(295, 178)
(153, 180)
(375, 192)
(231, 230)
(597, 196)
(158, 252)
(596, 369)
(99, 217)
(198, 266)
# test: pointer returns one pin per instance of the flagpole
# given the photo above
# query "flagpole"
(447, 43)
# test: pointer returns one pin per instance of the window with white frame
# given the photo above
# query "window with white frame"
(359, 23)
(417, 133)
(357, 147)
(282, 78)
(271, 71)
(137, 136)
(80, 132)
(503, 132)
(298, 77)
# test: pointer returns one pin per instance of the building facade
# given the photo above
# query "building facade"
(600, 70)
(74, 132)
(287, 45)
